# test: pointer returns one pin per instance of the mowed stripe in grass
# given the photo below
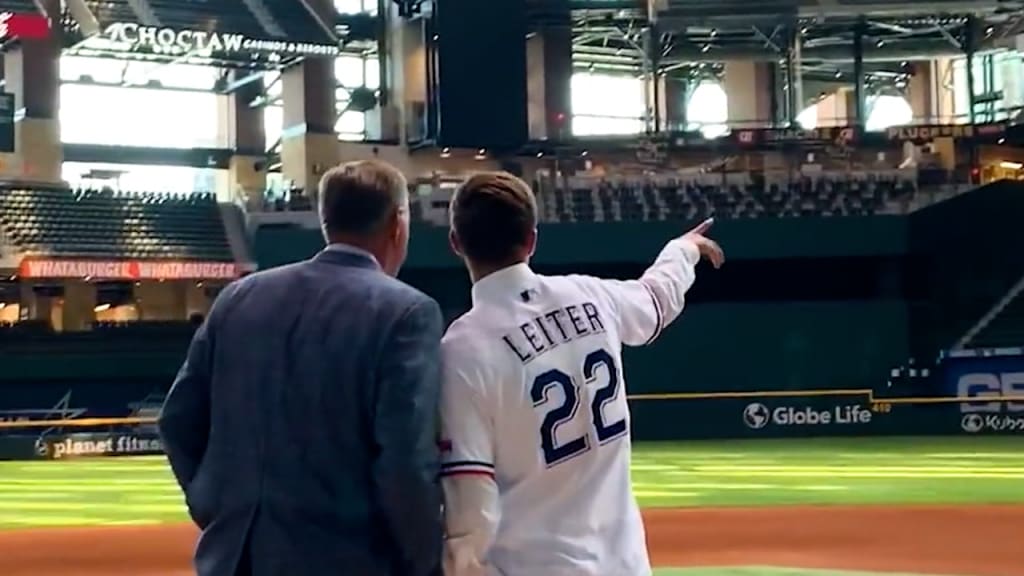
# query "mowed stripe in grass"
(735, 473)
(830, 471)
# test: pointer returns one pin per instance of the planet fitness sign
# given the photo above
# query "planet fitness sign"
(183, 41)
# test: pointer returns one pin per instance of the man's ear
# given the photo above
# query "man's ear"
(531, 242)
(453, 241)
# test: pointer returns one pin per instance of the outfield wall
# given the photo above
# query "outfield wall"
(985, 396)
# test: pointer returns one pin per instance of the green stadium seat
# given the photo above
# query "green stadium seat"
(101, 224)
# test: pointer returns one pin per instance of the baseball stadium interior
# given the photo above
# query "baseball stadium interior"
(862, 349)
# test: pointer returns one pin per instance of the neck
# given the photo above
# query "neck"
(478, 272)
(367, 244)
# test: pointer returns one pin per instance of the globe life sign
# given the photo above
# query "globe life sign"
(184, 41)
(758, 416)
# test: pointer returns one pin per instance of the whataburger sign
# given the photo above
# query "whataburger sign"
(128, 269)
(180, 41)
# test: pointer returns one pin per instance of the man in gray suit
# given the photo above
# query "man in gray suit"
(302, 425)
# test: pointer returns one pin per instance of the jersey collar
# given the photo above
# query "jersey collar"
(507, 282)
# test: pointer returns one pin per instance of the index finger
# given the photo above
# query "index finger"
(703, 226)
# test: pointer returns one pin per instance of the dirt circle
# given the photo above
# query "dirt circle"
(974, 541)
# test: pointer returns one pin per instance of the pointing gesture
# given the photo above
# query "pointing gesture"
(708, 248)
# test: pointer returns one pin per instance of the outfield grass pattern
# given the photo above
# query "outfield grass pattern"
(119, 491)
(99, 492)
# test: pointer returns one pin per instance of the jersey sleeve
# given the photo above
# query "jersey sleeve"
(645, 306)
(467, 430)
(467, 460)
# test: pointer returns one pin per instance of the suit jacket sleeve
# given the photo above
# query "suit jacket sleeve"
(405, 425)
(184, 421)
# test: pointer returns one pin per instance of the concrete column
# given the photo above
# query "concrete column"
(859, 97)
(246, 135)
(833, 110)
(32, 74)
(945, 100)
(78, 309)
(33, 306)
(794, 76)
(309, 144)
(196, 300)
(921, 93)
(748, 86)
(160, 300)
(673, 101)
(548, 82)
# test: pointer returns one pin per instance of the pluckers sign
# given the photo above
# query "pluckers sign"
(182, 41)
(127, 269)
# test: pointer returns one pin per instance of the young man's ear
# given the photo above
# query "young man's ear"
(453, 241)
(531, 242)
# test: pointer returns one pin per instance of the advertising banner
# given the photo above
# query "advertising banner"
(23, 26)
(127, 269)
(93, 444)
(998, 384)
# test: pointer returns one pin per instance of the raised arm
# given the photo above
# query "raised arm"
(647, 305)
(405, 472)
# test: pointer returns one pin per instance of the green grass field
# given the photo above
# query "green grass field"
(97, 492)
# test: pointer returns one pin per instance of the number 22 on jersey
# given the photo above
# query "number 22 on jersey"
(569, 409)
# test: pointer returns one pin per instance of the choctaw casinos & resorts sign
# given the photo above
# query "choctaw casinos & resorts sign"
(175, 41)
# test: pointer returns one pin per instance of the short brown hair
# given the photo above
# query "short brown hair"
(358, 197)
(493, 215)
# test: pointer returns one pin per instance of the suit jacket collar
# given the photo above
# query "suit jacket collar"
(345, 255)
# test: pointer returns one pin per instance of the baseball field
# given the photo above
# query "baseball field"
(825, 507)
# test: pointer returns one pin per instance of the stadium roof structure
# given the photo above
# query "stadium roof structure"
(612, 35)
(248, 34)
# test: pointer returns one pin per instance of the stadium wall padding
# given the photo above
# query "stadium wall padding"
(635, 242)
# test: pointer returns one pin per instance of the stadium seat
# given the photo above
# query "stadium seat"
(104, 224)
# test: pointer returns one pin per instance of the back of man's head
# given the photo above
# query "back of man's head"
(494, 219)
(358, 199)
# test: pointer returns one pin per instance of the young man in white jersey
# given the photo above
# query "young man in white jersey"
(535, 425)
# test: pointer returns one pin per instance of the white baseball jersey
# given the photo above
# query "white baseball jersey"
(535, 424)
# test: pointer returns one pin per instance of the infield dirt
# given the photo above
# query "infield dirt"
(963, 540)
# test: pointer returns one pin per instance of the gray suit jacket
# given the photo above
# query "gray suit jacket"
(302, 425)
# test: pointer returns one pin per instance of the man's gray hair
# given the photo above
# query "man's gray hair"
(357, 198)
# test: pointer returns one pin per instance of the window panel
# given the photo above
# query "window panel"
(349, 6)
(138, 117)
(141, 178)
(584, 125)
(888, 111)
(273, 83)
(351, 122)
(372, 73)
(173, 75)
(603, 95)
(349, 71)
(107, 70)
(273, 124)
